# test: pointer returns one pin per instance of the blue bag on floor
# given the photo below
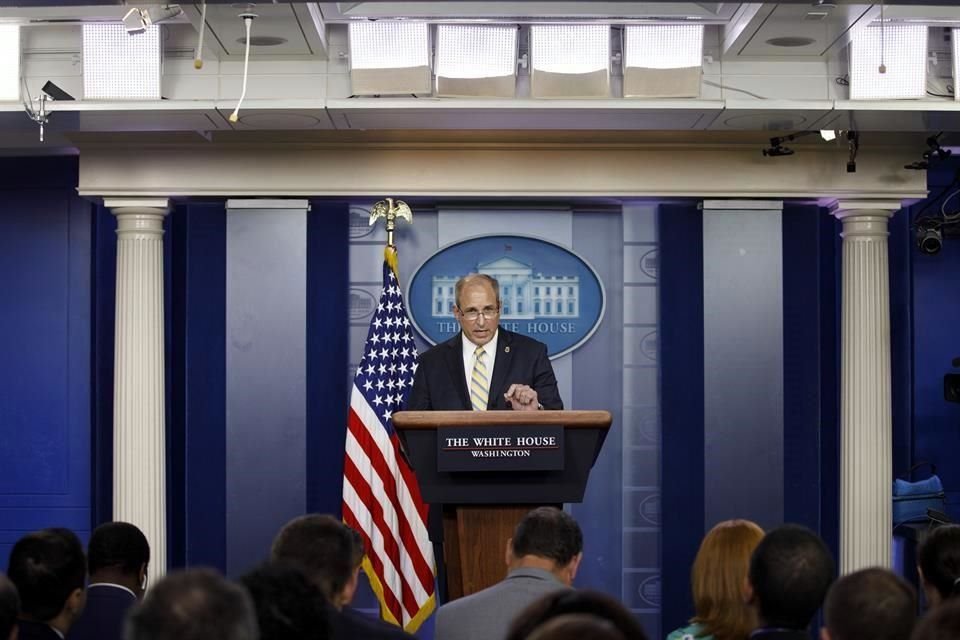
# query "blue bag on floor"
(911, 499)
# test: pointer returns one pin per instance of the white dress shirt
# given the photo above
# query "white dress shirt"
(469, 349)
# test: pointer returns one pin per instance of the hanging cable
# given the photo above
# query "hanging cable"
(198, 56)
(247, 21)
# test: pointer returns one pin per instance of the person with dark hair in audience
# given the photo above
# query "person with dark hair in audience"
(9, 609)
(576, 626)
(543, 556)
(551, 612)
(941, 623)
(717, 578)
(49, 570)
(790, 572)
(289, 606)
(870, 604)
(938, 563)
(330, 555)
(117, 559)
(198, 604)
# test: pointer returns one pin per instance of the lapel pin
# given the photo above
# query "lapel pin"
(506, 349)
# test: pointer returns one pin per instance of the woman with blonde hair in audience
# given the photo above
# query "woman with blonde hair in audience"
(718, 575)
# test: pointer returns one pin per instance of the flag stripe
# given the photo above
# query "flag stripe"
(418, 573)
(405, 495)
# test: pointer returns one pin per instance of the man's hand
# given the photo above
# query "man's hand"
(522, 398)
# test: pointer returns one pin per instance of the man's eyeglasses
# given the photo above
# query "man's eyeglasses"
(488, 312)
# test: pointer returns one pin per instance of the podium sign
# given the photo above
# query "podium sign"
(515, 448)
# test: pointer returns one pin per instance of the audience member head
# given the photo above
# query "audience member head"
(790, 572)
(938, 562)
(49, 570)
(288, 605)
(718, 575)
(118, 553)
(567, 602)
(576, 626)
(941, 623)
(197, 604)
(9, 609)
(871, 604)
(547, 538)
(326, 550)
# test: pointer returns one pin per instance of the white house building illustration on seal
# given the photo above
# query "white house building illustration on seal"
(525, 295)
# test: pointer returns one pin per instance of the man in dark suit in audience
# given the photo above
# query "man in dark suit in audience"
(117, 559)
(48, 569)
(484, 366)
(9, 609)
(197, 604)
(871, 604)
(542, 557)
(330, 554)
(790, 572)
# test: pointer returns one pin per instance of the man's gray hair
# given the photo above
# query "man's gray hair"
(477, 277)
(198, 604)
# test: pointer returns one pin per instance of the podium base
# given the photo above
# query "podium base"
(475, 542)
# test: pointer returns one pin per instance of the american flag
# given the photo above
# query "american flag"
(381, 497)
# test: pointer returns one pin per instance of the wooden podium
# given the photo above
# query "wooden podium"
(481, 508)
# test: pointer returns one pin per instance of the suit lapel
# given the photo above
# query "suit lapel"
(500, 368)
(454, 357)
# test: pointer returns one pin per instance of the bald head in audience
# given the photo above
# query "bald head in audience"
(871, 604)
(9, 609)
(198, 604)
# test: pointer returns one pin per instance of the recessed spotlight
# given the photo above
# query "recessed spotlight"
(263, 41)
(790, 41)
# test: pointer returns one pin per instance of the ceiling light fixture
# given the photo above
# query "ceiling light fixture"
(138, 20)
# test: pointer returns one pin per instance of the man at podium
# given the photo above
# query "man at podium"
(484, 367)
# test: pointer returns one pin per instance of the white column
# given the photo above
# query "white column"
(139, 433)
(865, 396)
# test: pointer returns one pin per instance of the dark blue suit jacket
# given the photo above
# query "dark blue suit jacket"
(36, 631)
(103, 617)
(350, 624)
(440, 383)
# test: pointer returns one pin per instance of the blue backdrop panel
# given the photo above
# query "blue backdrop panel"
(743, 366)
(936, 316)
(901, 339)
(45, 273)
(596, 385)
(197, 426)
(803, 361)
(103, 317)
(682, 405)
(266, 458)
(328, 339)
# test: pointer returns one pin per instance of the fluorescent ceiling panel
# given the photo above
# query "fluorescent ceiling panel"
(389, 57)
(902, 49)
(120, 66)
(10, 62)
(474, 51)
(570, 61)
(668, 46)
(662, 61)
(389, 45)
(476, 60)
(570, 48)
